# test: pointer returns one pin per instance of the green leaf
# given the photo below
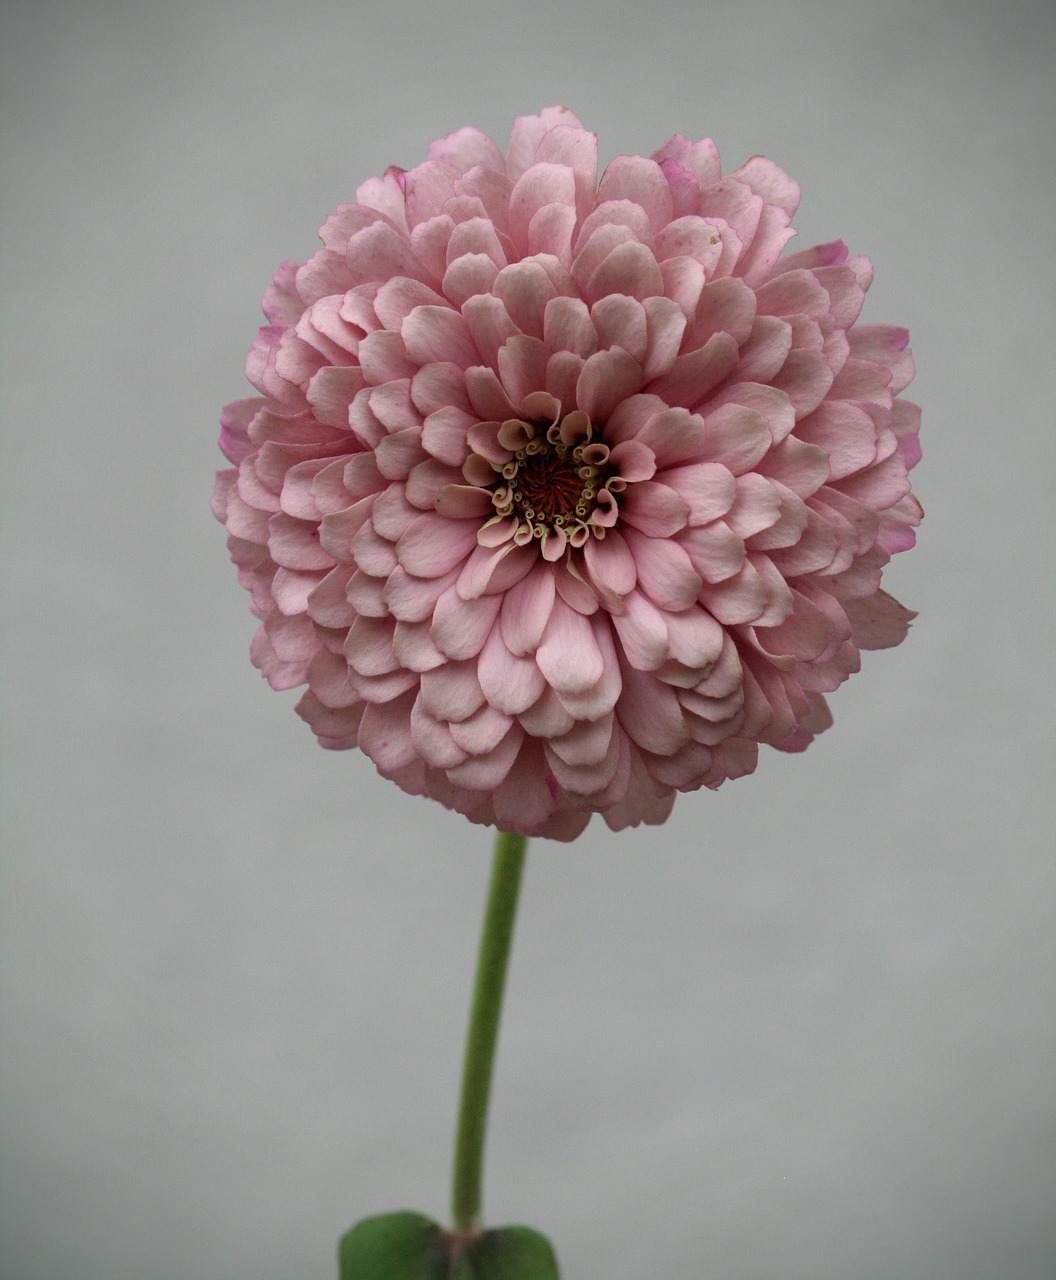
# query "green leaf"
(508, 1253)
(394, 1246)
(409, 1246)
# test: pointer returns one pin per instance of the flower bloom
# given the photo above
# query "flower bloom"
(563, 495)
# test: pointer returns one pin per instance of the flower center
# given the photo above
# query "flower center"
(554, 485)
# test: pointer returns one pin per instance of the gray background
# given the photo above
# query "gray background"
(805, 1029)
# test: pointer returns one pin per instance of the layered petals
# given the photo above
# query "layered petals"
(562, 493)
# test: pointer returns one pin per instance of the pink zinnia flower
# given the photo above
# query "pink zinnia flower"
(563, 495)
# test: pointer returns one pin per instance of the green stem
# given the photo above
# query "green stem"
(496, 936)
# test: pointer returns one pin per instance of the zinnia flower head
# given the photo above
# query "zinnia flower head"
(562, 495)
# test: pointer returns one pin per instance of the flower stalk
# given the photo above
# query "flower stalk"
(482, 1035)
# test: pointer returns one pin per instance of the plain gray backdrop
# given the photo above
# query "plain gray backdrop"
(803, 1031)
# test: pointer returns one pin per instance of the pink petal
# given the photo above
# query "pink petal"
(523, 801)
(477, 236)
(437, 387)
(427, 187)
(540, 185)
(654, 509)
(757, 506)
(458, 501)
(467, 276)
(438, 334)
(490, 324)
(770, 182)
(771, 236)
(525, 289)
(481, 732)
(567, 326)
(294, 544)
(773, 405)
(413, 599)
(641, 180)
(650, 713)
(528, 132)
(846, 433)
(385, 733)
(433, 739)
(587, 742)
(879, 621)
(392, 406)
(383, 358)
(620, 321)
(724, 306)
(599, 699)
(624, 214)
(573, 146)
(510, 683)
(700, 158)
(684, 280)
(493, 570)
(568, 655)
(486, 772)
(819, 255)
(740, 598)
(846, 293)
(592, 250)
(862, 380)
(368, 646)
(414, 648)
(332, 390)
(397, 454)
(695, 638)
(708, 489)
(398, 297)
(432, 545)
(673, 436)
(328, 680)
(665, 325)
(735, 436)
(380, 253)
(328, 604)
(452, 692)
(801, 467)
(630, 268)
(805, 378)
(460, 627)
(690, 237)
(325, 273)
(607, 378)
(665, 572)
(385, 194)
(585, 779)
(765, 351)
(522, 366)
(884, 344)
(632, 461)
(466, 148)
(878, 487)
(526, 609)
(550, 232)
(610, 564)
(546, 717)
(697, 372)
(572, 588)
(714, 550)
(805, 634)
(793, 292)
(642, 632)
